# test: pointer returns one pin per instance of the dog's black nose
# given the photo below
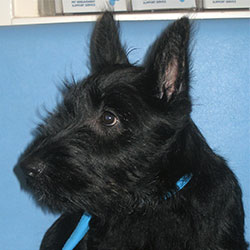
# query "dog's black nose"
(31, 168)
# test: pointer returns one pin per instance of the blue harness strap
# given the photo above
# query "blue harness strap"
(83, 225)
(80, 231)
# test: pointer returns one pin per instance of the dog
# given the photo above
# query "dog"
(122, 150)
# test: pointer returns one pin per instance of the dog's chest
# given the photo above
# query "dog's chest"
(135, 233)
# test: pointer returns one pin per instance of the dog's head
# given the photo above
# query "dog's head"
(109, 144)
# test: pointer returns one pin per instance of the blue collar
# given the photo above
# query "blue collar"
(180, 184)
(83, 225)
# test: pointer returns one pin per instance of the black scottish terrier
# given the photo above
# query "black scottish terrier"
(122, 147)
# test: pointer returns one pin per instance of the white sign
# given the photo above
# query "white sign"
(80, 6)
(225, 4)
(162, 4)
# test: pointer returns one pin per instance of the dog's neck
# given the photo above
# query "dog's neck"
(83, 225)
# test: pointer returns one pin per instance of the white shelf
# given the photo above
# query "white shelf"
(133, 17)
(7, 17)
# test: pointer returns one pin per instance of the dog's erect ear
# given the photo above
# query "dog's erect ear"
(105, 45)
(167, 60)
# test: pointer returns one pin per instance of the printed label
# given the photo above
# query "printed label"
(82, 3)
(87, 6)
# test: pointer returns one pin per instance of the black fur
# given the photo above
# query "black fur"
(119, 141)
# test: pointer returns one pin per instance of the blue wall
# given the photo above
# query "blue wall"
(34, 60)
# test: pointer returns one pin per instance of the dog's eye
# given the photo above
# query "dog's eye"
(109, 119)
